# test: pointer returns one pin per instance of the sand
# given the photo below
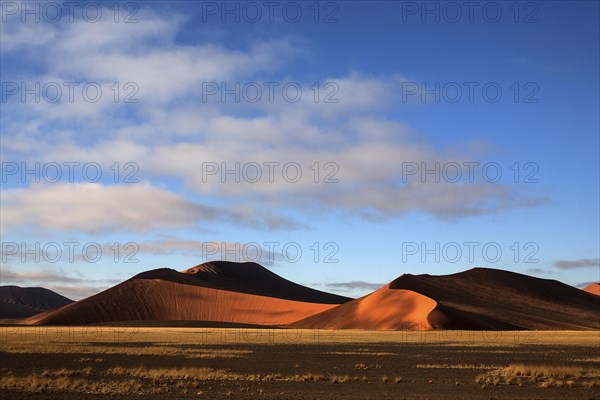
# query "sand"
(593, 288)
(216, 294)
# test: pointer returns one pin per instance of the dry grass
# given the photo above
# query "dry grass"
(171, 335)
(360, 353)
(546, 375)
(365, 366)
(339, 378)
(456, 366)
(37, 384)
(63, 372)
(175, 350)
(548, 371)
(192, 343)
(146, 380)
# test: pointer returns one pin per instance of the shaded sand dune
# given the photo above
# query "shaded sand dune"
(485, 298)
(20, 302)
(480, 298)
(253, 278)
(221, 292)
(593, 288)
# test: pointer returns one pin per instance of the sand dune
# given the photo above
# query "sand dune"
(385, 309)
(480, 298)
(593, 288)
(485, 298)
(20, 302)
(253, 278)
(213, 293)
(232, 294)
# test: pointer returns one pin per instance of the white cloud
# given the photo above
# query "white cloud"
(171, 133)
(575, 264)
(92, 207)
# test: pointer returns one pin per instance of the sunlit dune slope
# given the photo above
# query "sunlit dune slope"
(593, 288)
(385, 309)
(214, 292)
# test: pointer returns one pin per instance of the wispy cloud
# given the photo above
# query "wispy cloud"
(213, 250)
(59, 281)
(575, 264)
(538, 271)
(354, 285)
(91, 207)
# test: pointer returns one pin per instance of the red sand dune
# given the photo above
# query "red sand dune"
(20, 302)
(593, 288)
(234, 294)
(480, 298)
(218, 292)
(384, 309)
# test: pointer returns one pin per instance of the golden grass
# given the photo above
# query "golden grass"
(196, 343)
(175, 350)
(456, 366)
(38, 384)
(120, 380)
(549, 371)
(365, 366)
(559, 376)
(339, 378)
(67, 372)
(360, 353)
(169, 336)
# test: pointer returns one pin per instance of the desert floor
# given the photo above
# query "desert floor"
(243, 363)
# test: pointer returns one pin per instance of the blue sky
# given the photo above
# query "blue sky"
(509, 88)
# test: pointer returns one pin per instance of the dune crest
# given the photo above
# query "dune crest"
(593, 288)
(384, 309)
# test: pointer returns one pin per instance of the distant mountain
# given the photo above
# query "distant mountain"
(215, 292)
(477, 299)
(20, 302)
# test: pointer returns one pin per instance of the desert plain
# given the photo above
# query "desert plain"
(238, 331)
(119, 362)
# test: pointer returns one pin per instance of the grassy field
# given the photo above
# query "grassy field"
(215, 363)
